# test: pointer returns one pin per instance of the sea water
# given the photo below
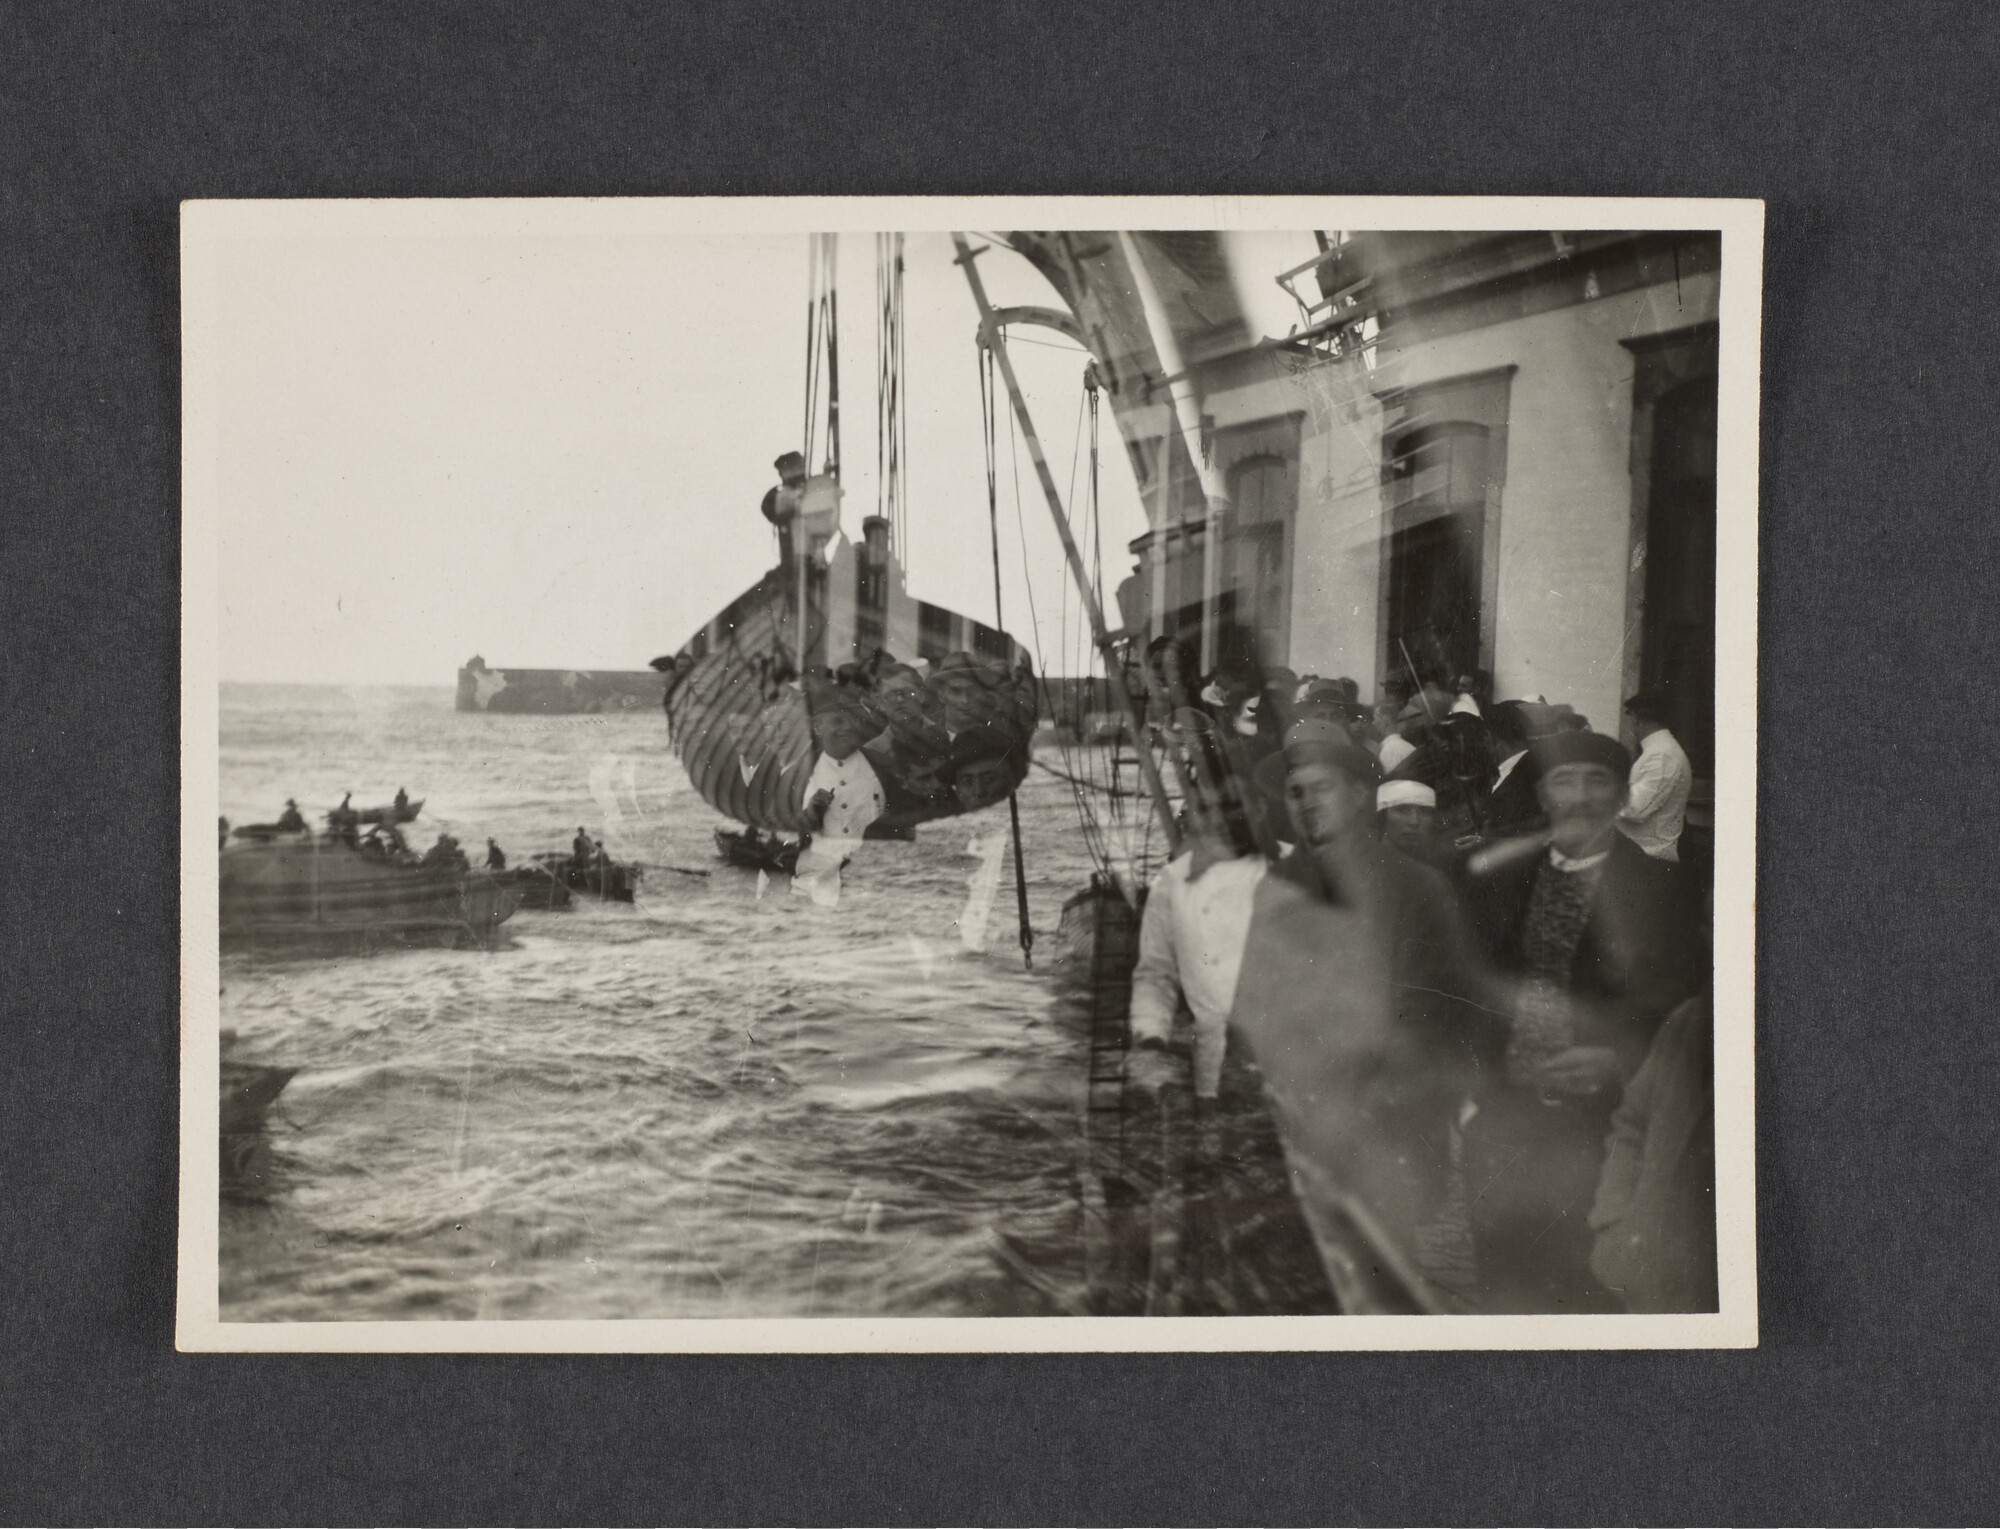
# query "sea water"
(719, 1101)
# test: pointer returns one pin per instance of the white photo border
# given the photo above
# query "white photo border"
(207, 227)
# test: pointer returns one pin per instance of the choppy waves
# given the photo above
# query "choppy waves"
(712, 1103)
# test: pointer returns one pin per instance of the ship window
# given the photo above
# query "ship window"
(1261, 500)
(933, 631)
(988, 643)
(1444, 460)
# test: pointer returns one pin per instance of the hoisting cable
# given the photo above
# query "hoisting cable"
(1096, 527)
(812, 352)
(882, 496)
(891, 428)
(987, 397)
(890, 433)
(832, 363)
(818, 336)
(1095, 842)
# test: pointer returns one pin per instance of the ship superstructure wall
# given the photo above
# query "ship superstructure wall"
(1536, 421)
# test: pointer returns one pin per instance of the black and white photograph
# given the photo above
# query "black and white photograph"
(849, 775)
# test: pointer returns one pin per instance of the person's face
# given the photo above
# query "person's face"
(980, 783)
(1409, 825)
(1246, 718)
(1324, 802)
(837, 732)
(1581, 801)
(1208, 821)
(963, 708)
(902, 698)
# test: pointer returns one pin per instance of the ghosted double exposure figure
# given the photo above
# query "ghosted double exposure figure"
(1596, 933)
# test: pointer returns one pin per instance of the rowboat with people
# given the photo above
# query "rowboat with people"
(293, 888)
(540, 886)
(400, 811)
(600, 876)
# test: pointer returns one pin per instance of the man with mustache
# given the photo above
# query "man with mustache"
(1596, 933)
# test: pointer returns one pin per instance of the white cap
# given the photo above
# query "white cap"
(1395, 749)
(1465, 703)
(1404, 793)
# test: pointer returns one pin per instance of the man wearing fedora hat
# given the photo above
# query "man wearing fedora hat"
(1595, 933)
(1364, 1002)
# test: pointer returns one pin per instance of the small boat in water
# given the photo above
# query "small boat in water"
(248, 1091)
(540, 886)
(392, 812)
(758, 852)
(603, 877)
(322, 891)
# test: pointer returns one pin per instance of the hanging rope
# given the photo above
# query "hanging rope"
(1093, 838)
(901, 527)
(1096, 529)
(819, 342)
(832, 362)
(891, 430)
(989, 434)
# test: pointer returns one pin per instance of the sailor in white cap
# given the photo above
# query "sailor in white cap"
(1408, 810)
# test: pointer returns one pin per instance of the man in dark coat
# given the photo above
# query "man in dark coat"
(1596, 934)
(1510, 808)
(1362, 999)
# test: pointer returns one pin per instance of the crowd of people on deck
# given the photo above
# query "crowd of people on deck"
(1456, 939)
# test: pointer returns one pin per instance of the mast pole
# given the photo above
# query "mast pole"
(1187, 412)
(996, 345)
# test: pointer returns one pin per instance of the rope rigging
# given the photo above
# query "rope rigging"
(823, 349)
(987, 394)
(1120, 842)
(891, 433)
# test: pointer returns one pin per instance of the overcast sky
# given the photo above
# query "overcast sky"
(550, 451)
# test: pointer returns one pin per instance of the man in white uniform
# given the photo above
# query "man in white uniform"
(1655, 809)
(843, 796)
(1191, 946)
